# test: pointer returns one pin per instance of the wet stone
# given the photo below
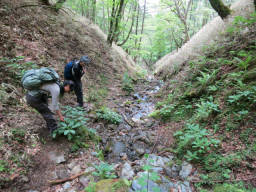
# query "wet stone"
(77, 169)
(66, 185)
(62, 173)
(127, 171)
(84, 180)
(186, 170)
(57, 157)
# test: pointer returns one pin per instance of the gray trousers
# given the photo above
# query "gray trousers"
(40, 103)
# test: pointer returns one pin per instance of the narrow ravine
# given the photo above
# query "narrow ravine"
(126, 144)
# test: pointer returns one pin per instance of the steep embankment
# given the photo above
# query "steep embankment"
(214, 106)
(174, 62)
(35, 36)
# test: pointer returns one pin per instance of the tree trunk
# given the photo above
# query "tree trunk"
(118, 19)
(133, 19)
(83, 8)
(142, 24)
(220, 8)
(59, 4)
(137, 28)
(110, 32)
(93, 15)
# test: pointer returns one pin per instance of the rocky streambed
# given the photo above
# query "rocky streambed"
(124, 147)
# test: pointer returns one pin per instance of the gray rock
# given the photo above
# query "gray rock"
(66, 185)
(154, 160)
(149, 123)
(172, 172)
(127, 171)
(185, 188)
(168, 171)
(72, 164)
(57, 157)
(77, 169)
(94, 153)
(33, 191)
(163, 185)
(140, 151)
(157, 169)
(84, 180)
(62, 173)
(186, 170)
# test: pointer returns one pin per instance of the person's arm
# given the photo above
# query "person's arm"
(60, 115)
(54, 90)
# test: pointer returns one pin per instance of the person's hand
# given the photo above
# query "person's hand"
(62, 119)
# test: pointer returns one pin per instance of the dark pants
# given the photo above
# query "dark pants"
(78, 91)
(40, 103)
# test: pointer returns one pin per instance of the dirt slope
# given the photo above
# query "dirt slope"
(46, 39)
(212, 31)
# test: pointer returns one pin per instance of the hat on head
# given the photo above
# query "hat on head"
(85, 59)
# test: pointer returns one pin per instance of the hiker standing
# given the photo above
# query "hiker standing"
(40, 84)
(74, 71)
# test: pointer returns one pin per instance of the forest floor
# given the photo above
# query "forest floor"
(30, 159)
(49, 159)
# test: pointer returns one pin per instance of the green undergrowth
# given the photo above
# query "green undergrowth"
(75, 128)
(108, 115)
(11, 71)
(217, 101)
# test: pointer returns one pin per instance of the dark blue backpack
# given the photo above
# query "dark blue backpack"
(68, 70)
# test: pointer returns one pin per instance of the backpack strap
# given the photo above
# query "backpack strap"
(75, 65)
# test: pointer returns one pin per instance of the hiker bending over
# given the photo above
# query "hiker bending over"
(40, 84)
(74, 71)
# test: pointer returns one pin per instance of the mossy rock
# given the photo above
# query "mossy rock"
(112, 185)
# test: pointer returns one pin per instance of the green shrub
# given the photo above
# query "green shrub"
(205, 109)
(18, 66)
(74, 128)
(104, 171)
(108, 115)
(194, 142)
(18, 134)
(3, 166)
(91, 187)
(149, 174)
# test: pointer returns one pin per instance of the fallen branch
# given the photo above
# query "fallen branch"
(54, 182)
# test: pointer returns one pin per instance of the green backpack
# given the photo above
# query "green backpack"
(34, 78)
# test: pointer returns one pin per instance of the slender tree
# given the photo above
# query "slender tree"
(142, 24)
(220, 8)
(116, 14)
(134, 7)
(181, 9)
